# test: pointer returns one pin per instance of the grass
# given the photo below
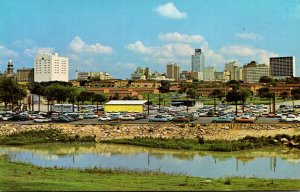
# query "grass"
(25, 177)
(42, 136)
(200, 145)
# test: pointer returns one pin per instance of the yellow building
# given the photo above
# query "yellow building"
(125, 106)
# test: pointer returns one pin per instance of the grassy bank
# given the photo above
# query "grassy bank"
(201, 145)
(25, 177)
(42, 136)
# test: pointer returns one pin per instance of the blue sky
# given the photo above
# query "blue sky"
(117, 36)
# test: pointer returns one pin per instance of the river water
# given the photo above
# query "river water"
(263, 163)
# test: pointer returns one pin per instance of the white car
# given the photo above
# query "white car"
(104, 118)
(41, 120)
(169, 117)
(127, 118)
(290, 118)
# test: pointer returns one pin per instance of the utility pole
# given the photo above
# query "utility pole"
(148, 105)
(274, 100)
(187, 103)
(214, 104)
(158, 100)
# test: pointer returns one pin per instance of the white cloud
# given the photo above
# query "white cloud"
(32, 52)
(170, 11)
(252, 53)
(139, 47)
(126, 66)
(77, 45)
(239, 50)
(166, 51)
(249, 36)
(24, 43)
(7, 53)
(183, 38)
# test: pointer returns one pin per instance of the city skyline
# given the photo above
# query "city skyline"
(118, 36)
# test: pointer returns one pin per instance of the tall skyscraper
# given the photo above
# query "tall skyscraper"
(51, 67)
(10, 69)
(173, 71)
(282, 67)
(198, 63)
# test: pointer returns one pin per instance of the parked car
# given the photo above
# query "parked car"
(89, 115)
(105, 118)
(5, 117)
(140, 116)
(193, 116)
(222, 119)
(42, 120)
(158, 118)
(75, 116)
(127, 118)
(169, 117)
(18, 118)
(291, 118)
(183, 119)
(61, 119)
(245, 119)
(202, 114)
(210, 113)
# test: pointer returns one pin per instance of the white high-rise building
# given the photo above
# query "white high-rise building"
(51, 67)
(198, 63)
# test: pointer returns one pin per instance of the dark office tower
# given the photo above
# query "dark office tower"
(282, 67)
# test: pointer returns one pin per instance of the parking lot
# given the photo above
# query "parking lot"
(202, 115)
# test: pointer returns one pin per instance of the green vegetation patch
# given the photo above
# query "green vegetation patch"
(200, 144)
(42, 136)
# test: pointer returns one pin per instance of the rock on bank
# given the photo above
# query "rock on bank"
(118, 131)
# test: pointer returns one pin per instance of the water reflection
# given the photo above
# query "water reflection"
(267, 163)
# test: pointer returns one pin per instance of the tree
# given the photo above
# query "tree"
(264, 92)
(165, 86)
(82, 83)
(11, 91)
(85, 96)
(192, 93)
(244, 94)
(295, 93)
(72, 96)
(38, 89)
(265, 79)
(116, 96)
(233, 84)
(49, 94)
(233, 96)
(99, 98)
(216, 93)
(284, 95)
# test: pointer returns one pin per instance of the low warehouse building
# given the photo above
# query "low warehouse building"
(125, 106)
